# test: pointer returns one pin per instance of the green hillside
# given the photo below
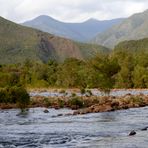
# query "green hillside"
(133, 46)
(87, 53)
(18, 43)
(132, 28)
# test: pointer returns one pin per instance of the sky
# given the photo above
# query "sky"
(70, 10)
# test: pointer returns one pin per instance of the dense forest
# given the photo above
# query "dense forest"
(119, 69)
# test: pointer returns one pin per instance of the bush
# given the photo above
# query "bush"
(23, 98)
(137, 100)
(62, 91)
(15, 95)
(76, 101)
(47, 102)
(61, 103)
(89, 93)
(73, 94)
(82, 91)
(3, 96)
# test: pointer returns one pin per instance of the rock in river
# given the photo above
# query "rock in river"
(46, 111)
(132, 133)
(144, 129)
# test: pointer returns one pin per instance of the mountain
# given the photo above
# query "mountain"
(18, 43)
(132, 28)
(76, 31)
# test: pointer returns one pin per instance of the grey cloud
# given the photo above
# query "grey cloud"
(70, 10)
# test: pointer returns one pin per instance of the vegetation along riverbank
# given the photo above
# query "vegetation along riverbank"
(91, 104)
(86, 102)
(104, 71)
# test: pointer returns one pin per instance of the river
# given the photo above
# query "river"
(95, 92)
(100, 130)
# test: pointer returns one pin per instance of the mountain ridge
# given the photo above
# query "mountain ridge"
(132, 28)
(82, 32)
(18, 43)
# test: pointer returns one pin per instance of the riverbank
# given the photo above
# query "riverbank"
(84, 92)
(92, 104)
(77, 90)
(86, 103)
(107, 104)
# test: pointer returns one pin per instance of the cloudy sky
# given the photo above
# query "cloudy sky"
(70, 10)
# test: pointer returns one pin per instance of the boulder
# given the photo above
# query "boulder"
(59, 115)
(144, 129)
(46, 111)
(132, 133)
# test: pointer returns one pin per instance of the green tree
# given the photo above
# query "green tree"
(105, 68)
(124, 76)
(69, 73)
(52, 72)
(15, 95)
(23, 98)
(140, 77)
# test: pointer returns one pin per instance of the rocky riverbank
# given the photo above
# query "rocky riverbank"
(107, 104)
(91, 104)
(86, 103)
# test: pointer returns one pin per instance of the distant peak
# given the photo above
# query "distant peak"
(92, 20)
(44, 16)
(146, 11)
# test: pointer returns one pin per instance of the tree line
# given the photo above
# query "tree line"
(119, 69)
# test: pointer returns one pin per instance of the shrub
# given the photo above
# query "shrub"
(15, 95)
(47, 102)
(137, 100)
(76, 101)
(73, 94)
(3, 96)
(23, 98)
(82, 91)
(62, 91)
(61, 103)
(89, 93)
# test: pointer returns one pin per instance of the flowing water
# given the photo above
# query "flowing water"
(100, 130)
(95, 92)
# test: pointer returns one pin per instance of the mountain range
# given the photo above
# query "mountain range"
(82, 32)
(18, 43)
(132, 28)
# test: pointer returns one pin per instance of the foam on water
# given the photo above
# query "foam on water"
(103, 130)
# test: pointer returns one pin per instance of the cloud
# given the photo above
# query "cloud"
(70, 10)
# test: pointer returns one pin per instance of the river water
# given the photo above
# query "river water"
(95, 92)
(100, 130)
